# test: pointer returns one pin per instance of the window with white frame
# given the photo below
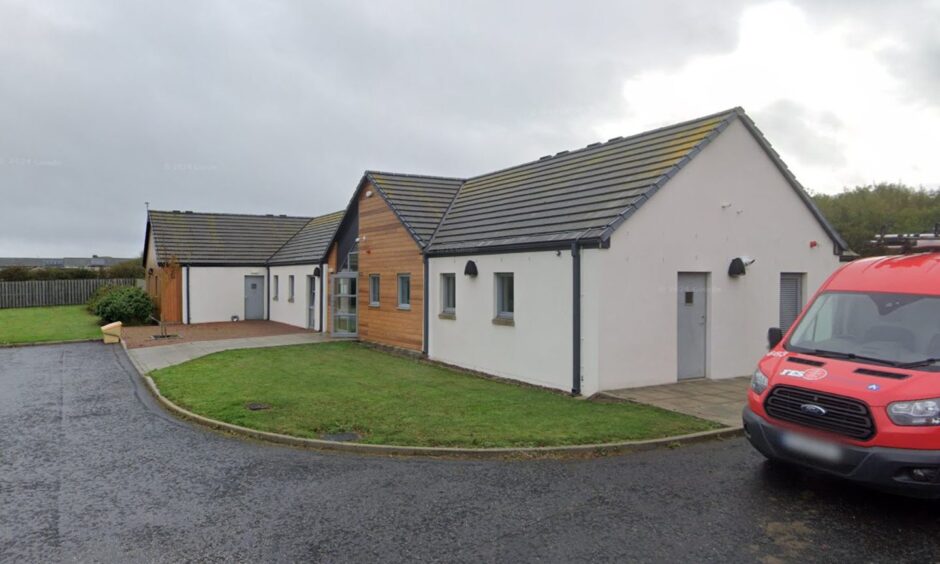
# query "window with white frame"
(404, 291)
(277, 285)
(505, 300)
(374, 282)
(448, 293)
(290, 288)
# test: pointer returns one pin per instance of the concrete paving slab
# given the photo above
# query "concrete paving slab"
(716, 400)
(155, 358)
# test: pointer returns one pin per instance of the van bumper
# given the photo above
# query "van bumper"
(914, 473)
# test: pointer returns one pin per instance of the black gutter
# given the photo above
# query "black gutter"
(188, 316)
(322, 296)
(517, 248)
(576, 319)
(426, 306)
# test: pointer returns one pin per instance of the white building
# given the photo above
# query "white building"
(608, 267)
(210, 267)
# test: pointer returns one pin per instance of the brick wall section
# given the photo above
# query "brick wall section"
(386, 248)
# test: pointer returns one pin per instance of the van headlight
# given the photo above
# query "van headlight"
(758, 382)
(919, 412)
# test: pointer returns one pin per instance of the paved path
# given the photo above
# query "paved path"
(92, 470)
(154, 358)
(716, 400)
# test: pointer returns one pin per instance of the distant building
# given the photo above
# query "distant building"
(93, 262)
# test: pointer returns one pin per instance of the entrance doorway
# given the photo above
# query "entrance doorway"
(345, 288)
(692, 324)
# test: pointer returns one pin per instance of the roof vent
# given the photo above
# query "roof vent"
(283, 215)
(545, 157)
(559, 153)
(593, 145)
(176, 211)
(188, 211)
(269, 215)
(612, 139)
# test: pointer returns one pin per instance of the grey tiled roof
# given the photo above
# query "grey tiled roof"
(419, 201)
(576, 195)
(217, 238)
(310, 243)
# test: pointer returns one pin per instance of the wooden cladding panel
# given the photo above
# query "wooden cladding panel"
(386, 248)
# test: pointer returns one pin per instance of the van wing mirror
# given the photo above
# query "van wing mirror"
(774, 336)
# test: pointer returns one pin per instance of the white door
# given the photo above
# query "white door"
(692, 324)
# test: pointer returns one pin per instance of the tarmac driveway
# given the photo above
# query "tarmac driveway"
(92, 469)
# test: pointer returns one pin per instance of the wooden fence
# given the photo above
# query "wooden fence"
(34, 293)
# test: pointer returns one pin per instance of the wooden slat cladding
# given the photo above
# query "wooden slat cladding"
(387, 249)
(171, 294)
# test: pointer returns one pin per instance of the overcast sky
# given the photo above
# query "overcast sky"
(278, 107)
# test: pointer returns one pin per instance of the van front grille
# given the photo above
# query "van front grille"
(827, 412)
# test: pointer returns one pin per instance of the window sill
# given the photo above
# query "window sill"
(507, 321)
(404, 307)
(373, 305)
(447, 315)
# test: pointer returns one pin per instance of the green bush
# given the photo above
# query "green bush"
(127, 304)
(99, 295)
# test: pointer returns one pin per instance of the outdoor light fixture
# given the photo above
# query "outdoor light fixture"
(470, 269)
(738, 266)
(316, 272)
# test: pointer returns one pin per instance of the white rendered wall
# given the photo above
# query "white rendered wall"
(537, 349)
(296, 312)
(216, 293)
(729, 201)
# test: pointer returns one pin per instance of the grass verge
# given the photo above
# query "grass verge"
(330, 388)
(43, 324)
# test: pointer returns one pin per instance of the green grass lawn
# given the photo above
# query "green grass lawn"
(343, 387)
(41, 324)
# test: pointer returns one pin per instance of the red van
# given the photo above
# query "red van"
(853, 388)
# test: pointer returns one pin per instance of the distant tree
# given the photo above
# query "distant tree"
(127, 269)
(14, 273)
(860, 213)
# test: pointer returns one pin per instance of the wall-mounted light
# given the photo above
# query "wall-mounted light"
(471, 269)
(368, 193)
(316, 272)
(738, 266)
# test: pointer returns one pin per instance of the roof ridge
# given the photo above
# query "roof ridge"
(371, 172)
(227, 214)
(737, 110)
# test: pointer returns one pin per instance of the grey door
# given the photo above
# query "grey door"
(791, 298)
(311, 302)
(254, 297)
(692, 324)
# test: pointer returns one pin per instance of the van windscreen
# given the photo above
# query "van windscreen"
(872, 327)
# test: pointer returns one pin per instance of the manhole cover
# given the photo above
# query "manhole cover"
(256, 406)
(342, 437)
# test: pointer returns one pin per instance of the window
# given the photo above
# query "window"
(277, 286)
(448, 293)
(791, 298)
(404, 291)
(505, 301)
(353, 261)
(290, 288)
(374, 289)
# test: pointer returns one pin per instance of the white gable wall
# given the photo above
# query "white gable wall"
(297, 312)
(689, 226)
(216, 293)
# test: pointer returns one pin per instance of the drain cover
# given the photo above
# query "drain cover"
(342, 437)
(255, 406)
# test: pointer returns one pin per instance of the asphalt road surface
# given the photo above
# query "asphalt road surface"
(92, 470)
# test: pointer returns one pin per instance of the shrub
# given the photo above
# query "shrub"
(127, 304)
(126, 269)
(99, 295)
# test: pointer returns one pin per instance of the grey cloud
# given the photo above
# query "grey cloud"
(811, 136)
(279, 107)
